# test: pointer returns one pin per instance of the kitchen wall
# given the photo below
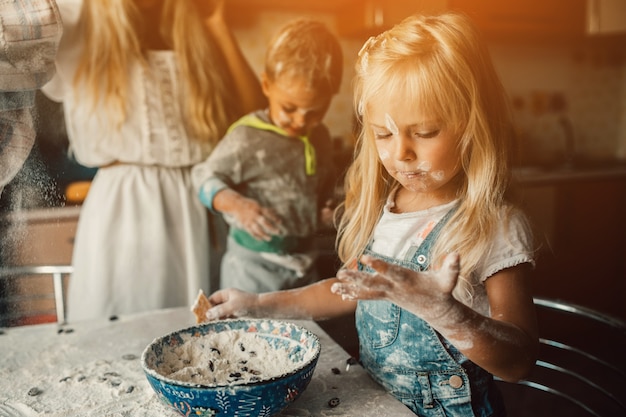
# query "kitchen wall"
(590, 79)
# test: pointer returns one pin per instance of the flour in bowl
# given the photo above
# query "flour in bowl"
(230, 357)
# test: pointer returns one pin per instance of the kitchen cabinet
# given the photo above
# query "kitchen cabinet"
(606, 17)
(523, 19)
(581, 230)
(35, 237)
(534, 19)
(245, 12)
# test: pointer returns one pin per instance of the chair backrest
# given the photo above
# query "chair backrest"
(581, 369)
(30, 294)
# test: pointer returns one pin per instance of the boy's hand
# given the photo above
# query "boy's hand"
(426, 294)
(260, 222)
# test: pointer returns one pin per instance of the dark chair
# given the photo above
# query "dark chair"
(581, 369)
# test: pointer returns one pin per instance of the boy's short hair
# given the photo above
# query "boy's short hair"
(306, 48)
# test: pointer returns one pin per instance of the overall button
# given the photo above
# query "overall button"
(455, 381)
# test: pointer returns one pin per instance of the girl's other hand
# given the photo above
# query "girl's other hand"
(231, 303)
(426, 294)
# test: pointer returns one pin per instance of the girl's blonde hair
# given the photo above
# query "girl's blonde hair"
(306, 49)
(111, 31)
(439, 62)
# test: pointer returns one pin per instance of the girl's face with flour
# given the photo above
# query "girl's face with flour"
(416, 149)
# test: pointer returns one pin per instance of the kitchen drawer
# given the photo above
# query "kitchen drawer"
(34, 238)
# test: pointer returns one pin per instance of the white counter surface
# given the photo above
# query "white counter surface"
(93, 369)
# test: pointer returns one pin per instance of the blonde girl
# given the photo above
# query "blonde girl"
(148, 88)
(436, 259)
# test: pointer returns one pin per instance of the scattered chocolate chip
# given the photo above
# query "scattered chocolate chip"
(34, 391)
(350, 361)
(130, 389)
(113, 318)
(333, 402)
(242, 347)
(216, 350)
(67, 378)
(68, 330)
(252, 353)
(59, 331)
(235, 375)
(336, 371)
(81, 378)
(115, 382)
(129, 357)
(211, 366)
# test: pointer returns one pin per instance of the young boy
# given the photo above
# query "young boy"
(272, 172)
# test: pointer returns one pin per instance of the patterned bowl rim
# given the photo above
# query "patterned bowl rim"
(316, 345)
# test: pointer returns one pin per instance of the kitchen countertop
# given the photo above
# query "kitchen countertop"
(540, 174)
(93, 368)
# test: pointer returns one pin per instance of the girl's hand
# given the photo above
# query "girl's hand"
(260, 222)
(231, 303)
(426, 294)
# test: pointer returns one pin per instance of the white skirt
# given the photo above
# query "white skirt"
(142, 243)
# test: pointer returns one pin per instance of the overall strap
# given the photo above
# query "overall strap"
(254, 121)
(421, 254)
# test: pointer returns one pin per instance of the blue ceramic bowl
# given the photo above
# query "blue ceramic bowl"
(264, 397)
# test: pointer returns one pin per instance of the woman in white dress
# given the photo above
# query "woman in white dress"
(148, 87)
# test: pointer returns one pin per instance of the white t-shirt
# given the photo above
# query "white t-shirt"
(396, 233)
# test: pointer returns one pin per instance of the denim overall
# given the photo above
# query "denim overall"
(416, 364)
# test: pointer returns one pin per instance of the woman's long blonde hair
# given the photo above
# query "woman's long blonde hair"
(111, 31)
(442, 64)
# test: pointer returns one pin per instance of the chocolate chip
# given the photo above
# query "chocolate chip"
(336, 371)
(333, 402)
(113, 318)
(235, 375)
(130, 389)
(34, 391)
(242, 347)
(211, 366)
(216, 350)
(67, 378)
(68, 331)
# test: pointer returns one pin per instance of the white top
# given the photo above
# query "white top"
(396, 233)
(142, 240)
(152, 133)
